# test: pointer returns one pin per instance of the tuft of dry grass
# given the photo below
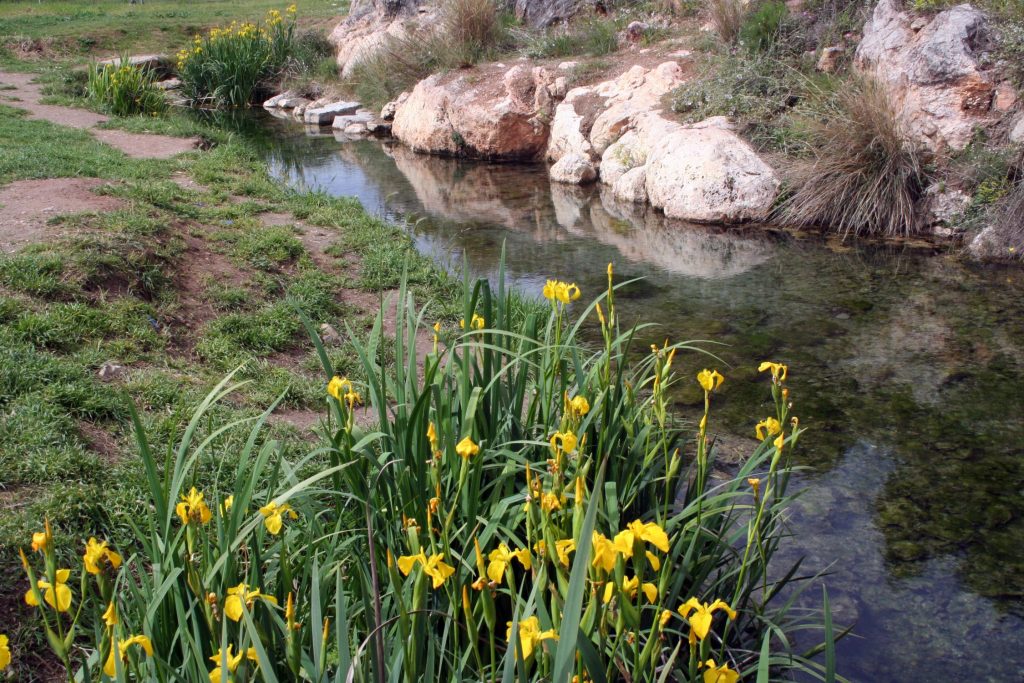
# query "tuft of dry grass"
(727, 18)
(862, 176)
(472, 29)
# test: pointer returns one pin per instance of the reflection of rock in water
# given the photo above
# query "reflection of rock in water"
(473, 193)
(643, 234)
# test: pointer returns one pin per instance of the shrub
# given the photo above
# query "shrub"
(235, 66)
(762, 27)
(863, 176)
(472, 30)
(727, 18)
(594, 37)
(124, 90)
(526, 508)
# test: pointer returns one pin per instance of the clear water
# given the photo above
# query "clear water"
(907, 367)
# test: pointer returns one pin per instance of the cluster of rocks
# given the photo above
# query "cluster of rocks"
(350, 118)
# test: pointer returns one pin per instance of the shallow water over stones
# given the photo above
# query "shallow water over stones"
(908, 368)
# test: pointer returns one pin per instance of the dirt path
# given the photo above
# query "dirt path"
(27, 206)
(27, 95)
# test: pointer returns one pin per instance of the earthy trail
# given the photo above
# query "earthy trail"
(27, 95)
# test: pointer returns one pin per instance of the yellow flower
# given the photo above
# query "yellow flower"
(110, 667)
(58, 597)
(192, 508)
(292, 9)
(605, 552)
(475, 323)
(232, 661)
(530, 635)
(702, 614)
(755, 484)
(501, 557)
(579, 405)
(719, 674)
(556, 290)
(339, 386)
(432, 435)
(40, 541)
(630, 587)
(96, 554)
(778, 371)
(110, 615)
(273, 516)
(240, 594)
(563, 441)
(709, 380)
(226, 505)
(434, 566)
(768, 426)
(549, 502)
(666, 615)
(466, 448)
(653, 560)
(780, 441)
(647, 532)
(5, 653)
(563, 548)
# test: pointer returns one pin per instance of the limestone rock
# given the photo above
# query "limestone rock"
(387, 112)
(631, 186)
(452, 114)
(709, 175)
(370, 26)
(276, 100)
(933, 71)
(325, 114)
(573, 169)
(1017, 132)
(360, 117)
(542, 13)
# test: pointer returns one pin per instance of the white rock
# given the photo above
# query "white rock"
(631, 186)
(568, 66)
(324, 115)
(356, 129)
(276, 100)
(573, 169)
(387, 112)
(1017, 133)
(710, 175)
(622, 156)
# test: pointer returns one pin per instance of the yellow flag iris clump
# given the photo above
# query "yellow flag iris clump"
(512, 502)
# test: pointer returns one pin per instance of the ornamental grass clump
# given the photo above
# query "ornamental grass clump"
(233, 66)
(510, 505)
(123, 89)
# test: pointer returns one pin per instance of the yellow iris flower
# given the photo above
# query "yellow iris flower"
(699, 615)
(550, 502)
(565, 441)
(579, 406)
(339, 386)
(475, 323)
(97, 554)
(5, 653)
(434, 566)
(778, 371)
(466, 448)
(56, 596)
(709, 380)
(110, 615)
(645, 532)
(226, 504)
(40, 541)
(530, 635)
(630, 588)
(192, 508)
(563, 548)
(501, 557)
(232, 661)
(273, 516)
(110, 667)
(240, 594)
(563, 292)
(767, 427)
(605, 552)
(719, 674)
(292, 9)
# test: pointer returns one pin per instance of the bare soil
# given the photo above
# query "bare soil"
(27, 206)
(28, 95)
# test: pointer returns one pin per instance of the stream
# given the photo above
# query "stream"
(906, 366)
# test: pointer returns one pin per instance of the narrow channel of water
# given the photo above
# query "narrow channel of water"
(906, 366)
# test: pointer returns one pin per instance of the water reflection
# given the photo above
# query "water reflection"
(907, 367)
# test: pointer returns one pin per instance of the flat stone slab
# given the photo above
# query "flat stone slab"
(360, 117)
(326, 114)
(151, 61)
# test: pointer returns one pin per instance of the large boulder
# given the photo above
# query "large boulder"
(709, 175)
(573, 169)
(492, 114)
(933, 70)
(371, 24)
(542, 13)
(592, 118)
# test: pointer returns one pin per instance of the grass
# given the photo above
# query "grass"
(108, 287)
(82, 29)
(863, 176)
